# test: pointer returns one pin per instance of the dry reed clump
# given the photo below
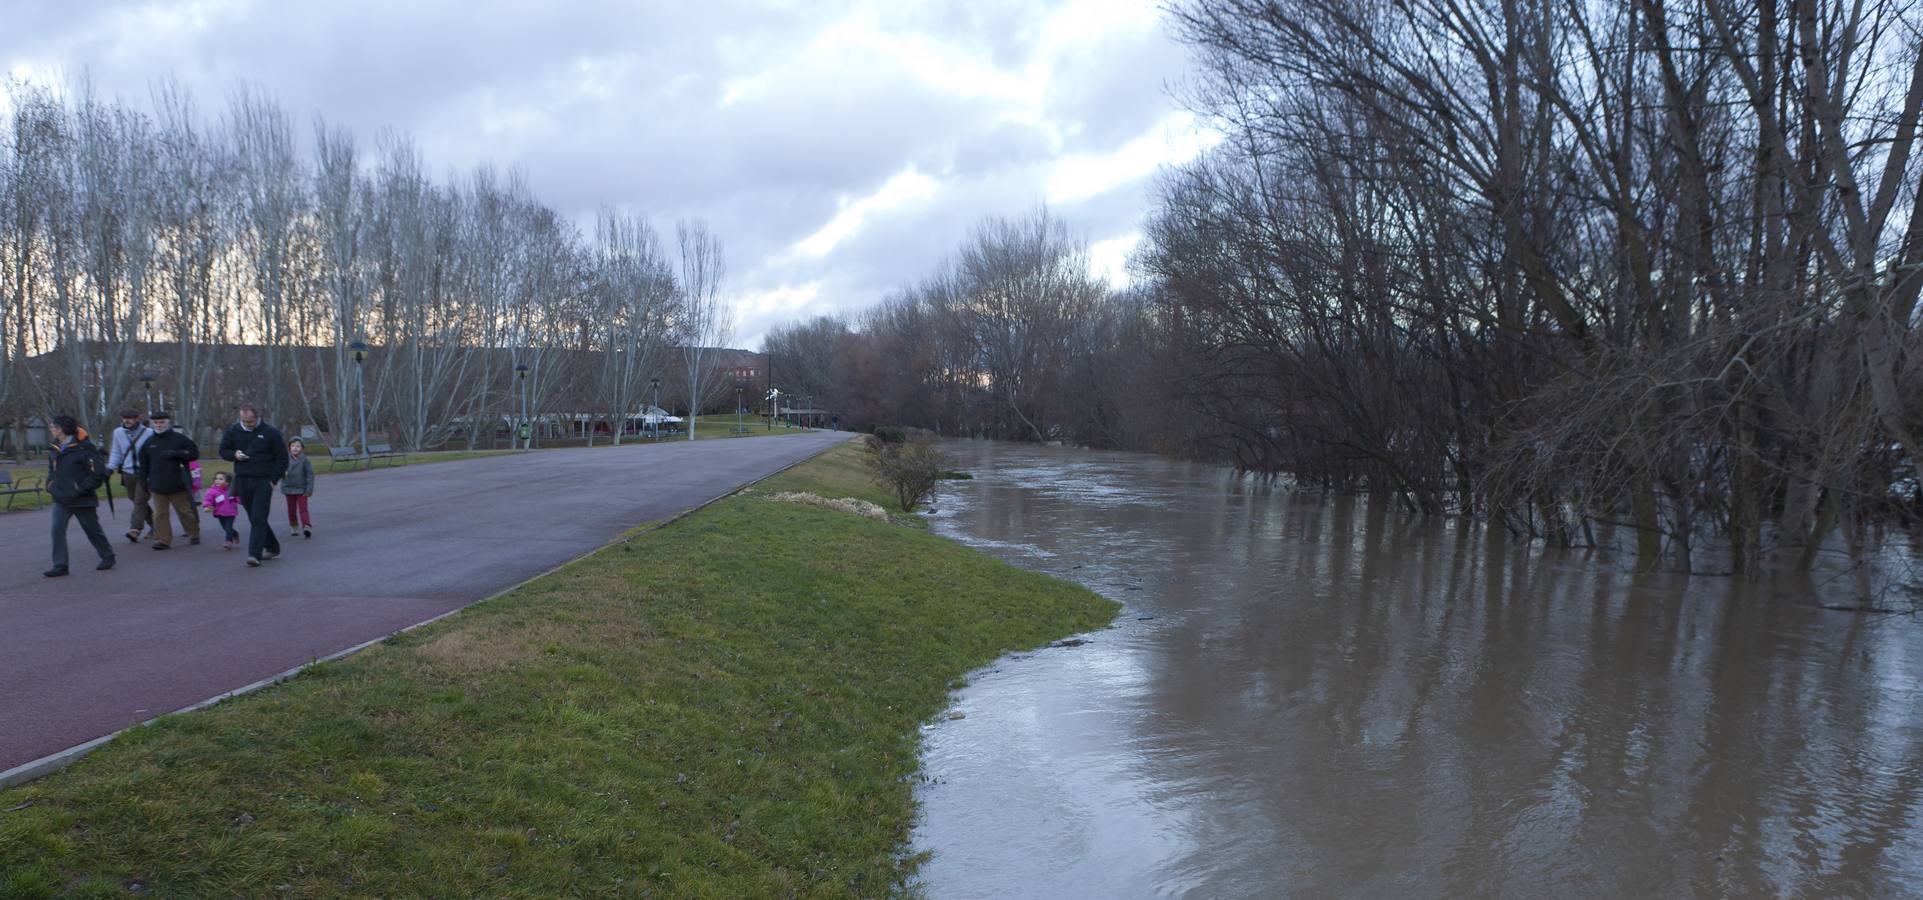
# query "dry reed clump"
(839, 504)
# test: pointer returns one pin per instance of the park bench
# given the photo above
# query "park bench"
(26, 485)
(386, 452)
(338, 455)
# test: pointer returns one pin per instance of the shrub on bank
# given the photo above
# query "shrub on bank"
(911, 469)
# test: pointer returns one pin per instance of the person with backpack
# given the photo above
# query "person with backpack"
(164, 466)
(259, 455)
(123, 457)
(74, 471)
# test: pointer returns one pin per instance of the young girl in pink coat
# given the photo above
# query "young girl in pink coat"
(225, 506)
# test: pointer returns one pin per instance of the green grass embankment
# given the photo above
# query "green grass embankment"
(725, 707)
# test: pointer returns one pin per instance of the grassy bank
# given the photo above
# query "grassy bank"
(727, 707)
(837, 473)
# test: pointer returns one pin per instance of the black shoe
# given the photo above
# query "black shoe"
(307, 532)
(133, 537)
(55, 572)
(193, 541)
(105, 564)
(253, 563)
(160, 546)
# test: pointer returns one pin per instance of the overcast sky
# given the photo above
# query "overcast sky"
(841, 149)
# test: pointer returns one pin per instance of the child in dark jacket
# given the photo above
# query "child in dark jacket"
(298, 485)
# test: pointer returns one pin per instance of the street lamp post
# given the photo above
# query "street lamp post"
(520, 374)
(360, 382)
(738, 427)
(654, 414)
(147, 382)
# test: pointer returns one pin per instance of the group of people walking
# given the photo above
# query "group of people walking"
(158, 467)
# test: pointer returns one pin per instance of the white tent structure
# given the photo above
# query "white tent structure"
(652, 416)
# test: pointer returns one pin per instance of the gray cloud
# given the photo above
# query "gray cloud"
(769, 119)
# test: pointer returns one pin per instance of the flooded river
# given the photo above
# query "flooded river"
(1307, 696)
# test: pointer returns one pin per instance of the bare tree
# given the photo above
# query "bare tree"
(272, 207)
(340, 200)
(706, 321)
(802, 356)
(1020, 289)
(636, 307)
(193, 215)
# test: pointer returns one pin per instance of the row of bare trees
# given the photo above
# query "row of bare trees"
(1011, 338)
(1642, 273)
(236, 260)
(1571, 264)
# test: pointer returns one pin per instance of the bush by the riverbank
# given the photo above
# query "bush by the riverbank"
(729, 706)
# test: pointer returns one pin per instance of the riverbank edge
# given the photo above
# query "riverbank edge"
(728, 704)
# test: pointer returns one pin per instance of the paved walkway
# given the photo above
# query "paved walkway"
(89, 654)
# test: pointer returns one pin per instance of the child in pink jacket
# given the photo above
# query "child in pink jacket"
(222, 502)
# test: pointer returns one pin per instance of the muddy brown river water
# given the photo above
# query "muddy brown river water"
(1306, 696)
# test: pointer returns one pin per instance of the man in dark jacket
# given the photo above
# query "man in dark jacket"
(259, 455)
(74, 471)
(163, 469)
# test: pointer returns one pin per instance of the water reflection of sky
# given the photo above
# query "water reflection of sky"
(1309, 696)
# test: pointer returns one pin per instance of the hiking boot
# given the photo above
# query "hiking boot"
(105, 564)
(55, 572)
(253, 563)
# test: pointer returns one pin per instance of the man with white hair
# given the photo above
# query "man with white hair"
(164, 462)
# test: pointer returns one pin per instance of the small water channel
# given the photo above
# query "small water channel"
(1308, 696)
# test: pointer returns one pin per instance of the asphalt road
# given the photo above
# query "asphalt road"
(89, 654)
